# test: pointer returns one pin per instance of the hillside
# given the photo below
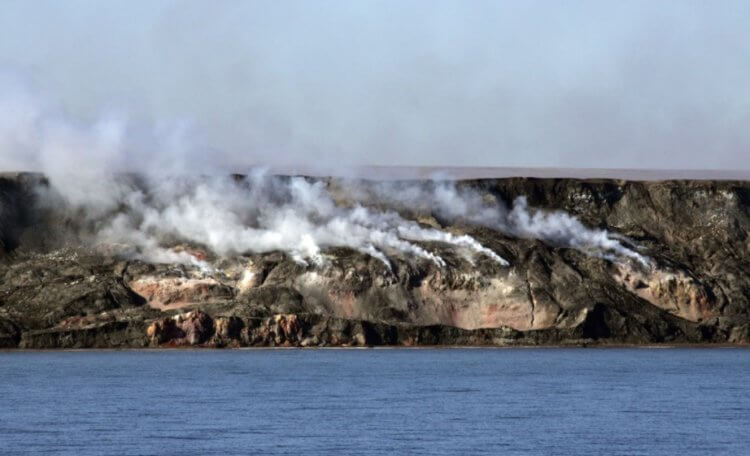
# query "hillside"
(333, 261)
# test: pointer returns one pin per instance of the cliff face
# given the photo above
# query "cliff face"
(58, 292)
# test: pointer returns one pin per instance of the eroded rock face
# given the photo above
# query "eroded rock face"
(191, 328)
(674, 291)
(177, 292)
(696, 289)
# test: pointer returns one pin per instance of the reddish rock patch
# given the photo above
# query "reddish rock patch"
(192, 328)
(174, 293)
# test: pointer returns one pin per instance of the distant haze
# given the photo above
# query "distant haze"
(583, 84)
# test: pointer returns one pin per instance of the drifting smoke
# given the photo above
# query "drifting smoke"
(36, 135)
(655, 84)
(556, 228)
(120, 179)
(260, 213)
(561, 229)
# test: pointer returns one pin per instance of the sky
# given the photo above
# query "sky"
(583, 84)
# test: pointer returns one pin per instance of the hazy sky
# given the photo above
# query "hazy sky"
(654, 84)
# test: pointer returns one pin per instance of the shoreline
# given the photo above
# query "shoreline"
(388, 347)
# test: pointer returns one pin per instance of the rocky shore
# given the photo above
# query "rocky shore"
(56, 292)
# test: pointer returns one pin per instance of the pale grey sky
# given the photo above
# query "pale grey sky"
(635, 84)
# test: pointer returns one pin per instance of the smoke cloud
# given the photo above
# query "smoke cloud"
(157, 188)
(260, 213)
(556, 228)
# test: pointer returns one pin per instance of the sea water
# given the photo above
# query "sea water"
(377, 402)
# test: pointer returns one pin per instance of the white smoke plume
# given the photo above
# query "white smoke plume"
(556, 228)
(562, 229)
(151, 209)
(257, 213)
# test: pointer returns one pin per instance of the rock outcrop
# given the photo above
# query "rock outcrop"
(60, 294)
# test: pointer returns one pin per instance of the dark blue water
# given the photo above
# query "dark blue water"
(373, 402)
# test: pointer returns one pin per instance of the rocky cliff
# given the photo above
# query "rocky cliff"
(660, 262)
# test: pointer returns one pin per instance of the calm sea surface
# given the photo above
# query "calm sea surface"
(373, 402)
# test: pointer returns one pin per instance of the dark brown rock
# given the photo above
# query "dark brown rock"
(68, 295)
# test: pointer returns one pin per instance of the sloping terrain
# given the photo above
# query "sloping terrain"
(577, 262)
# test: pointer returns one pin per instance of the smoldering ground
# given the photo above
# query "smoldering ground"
(149, 187)
(233, 215)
